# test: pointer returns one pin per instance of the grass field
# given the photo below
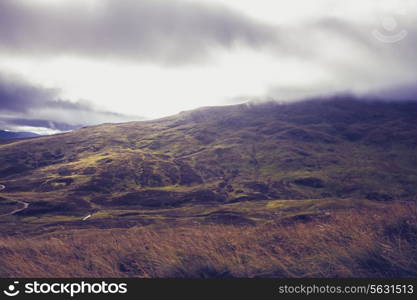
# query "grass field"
(367, 242)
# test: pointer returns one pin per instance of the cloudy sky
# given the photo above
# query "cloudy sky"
(69, 63)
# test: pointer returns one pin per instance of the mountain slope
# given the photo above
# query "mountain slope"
(317, 149)
(10, 135)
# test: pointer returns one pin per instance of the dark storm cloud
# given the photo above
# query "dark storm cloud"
(149, 30)
(24, 104)
(177, 32)
(18, 96)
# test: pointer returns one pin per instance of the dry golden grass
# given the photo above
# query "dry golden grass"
(377, 243)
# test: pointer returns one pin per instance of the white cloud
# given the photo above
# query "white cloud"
(322, 46)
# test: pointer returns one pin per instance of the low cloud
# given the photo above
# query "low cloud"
(26, 105)
(306, 56)
(350, 58)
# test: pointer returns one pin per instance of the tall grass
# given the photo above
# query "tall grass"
(377, 243)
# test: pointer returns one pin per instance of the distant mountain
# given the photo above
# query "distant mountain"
(307, 150)
(10, 135)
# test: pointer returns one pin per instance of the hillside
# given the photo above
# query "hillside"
(10, 135)
(216, 162)
(322, 188)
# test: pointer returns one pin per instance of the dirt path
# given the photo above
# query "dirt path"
(25, 205)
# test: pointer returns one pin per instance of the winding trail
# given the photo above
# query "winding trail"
(25, 205)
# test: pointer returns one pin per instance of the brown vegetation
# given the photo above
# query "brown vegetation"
(368, 242)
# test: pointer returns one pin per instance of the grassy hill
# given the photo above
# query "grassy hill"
(243, 167)
(317, 149)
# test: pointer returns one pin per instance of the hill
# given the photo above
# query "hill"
(311, 174)
(308, 150)
(10, 135)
